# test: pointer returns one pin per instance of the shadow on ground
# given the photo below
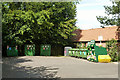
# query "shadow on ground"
(11, 69)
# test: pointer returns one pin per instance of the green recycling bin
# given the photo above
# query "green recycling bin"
(73, 52)
(83, 53)
(12, 51)
(94, 51)
(30, 50)
(77, 53)
(45, 50)
(70, 52)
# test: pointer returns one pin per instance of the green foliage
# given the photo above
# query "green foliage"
(78, 45)
(112, 48)
(113, 13)
(38, 22)
(81, 45)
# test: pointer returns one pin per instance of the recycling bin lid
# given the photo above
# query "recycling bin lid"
(67, 47)
(74, 49)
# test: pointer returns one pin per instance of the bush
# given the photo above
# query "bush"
(81, 46)
(112, 49)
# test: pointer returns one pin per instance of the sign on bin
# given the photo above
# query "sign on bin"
(30, 50)
(73, 52)
(12, 51)
(80, 52)
(9, 48)
(45, 50)
(84, 53)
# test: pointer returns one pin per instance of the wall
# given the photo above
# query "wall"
(103, 44)
(97, 44)
(57, 50)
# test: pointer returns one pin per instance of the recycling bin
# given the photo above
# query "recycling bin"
(30, 50)
(104, 58)
(70, 52)
(83, 53)
(12, 51)
(74, 52)
(94, 51)
(66, 52)
(45, 50)
(77, 53)
(80, 53)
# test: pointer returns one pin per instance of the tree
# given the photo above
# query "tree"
(113, 13)
(111, 46)
(43, 22)
(112, 18)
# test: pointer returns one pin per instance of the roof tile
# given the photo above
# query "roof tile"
(86, 35)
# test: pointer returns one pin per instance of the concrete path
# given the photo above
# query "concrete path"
(56, 67)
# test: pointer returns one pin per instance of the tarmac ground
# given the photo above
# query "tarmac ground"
(56, 67)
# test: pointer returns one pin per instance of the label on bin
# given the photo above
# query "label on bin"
(69, 51)
(73, 52)
(84, 53)
(80, 52)
(65, 52)
(9, 48)
(28, 48)
(43, 48)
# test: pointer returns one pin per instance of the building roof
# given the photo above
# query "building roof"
(92, 34)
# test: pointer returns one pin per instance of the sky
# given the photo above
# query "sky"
(87, 11)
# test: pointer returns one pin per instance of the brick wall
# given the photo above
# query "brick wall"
(103, 44)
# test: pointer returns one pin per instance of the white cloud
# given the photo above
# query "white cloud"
(89, 16)
(95, 3)
(87, 26)
(87, 12)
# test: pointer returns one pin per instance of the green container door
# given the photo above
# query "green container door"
(70, 52)
(100, 51)
(30, 50)
(12, 51)
(45, 50)
(80, 53)
(84, 54)
(77, 54)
